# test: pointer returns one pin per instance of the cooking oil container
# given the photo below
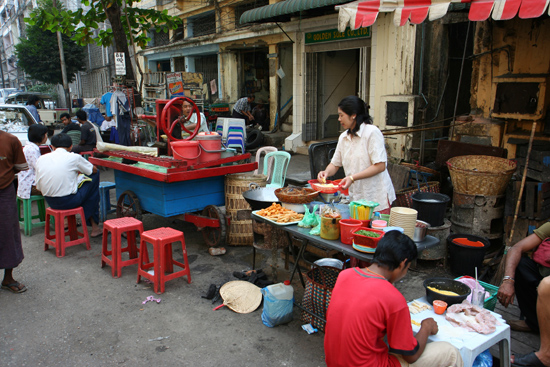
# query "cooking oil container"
(330, 228)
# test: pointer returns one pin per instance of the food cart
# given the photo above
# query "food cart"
(173, 188)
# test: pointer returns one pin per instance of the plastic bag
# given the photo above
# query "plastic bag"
(484, 359)
(276, 311)
(316, 231)
(309, 220)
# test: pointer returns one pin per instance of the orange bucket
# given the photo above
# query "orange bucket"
(186, 150)
(346, 228)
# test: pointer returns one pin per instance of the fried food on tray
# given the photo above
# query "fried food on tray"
(278, 214)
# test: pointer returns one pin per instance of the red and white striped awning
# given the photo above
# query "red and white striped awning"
(363, 13)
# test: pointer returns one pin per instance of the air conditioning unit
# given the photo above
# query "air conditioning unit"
(398, 112)
(520, 97)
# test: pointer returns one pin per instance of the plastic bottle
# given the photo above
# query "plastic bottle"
(278, 304)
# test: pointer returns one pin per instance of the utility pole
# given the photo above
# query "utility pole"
(63, 66)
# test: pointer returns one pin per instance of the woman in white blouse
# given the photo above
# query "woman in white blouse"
(362, 153)
(37, 135)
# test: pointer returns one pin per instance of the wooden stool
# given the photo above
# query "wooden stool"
(117, 227)
(105, 206)
(57, 239)
(27, 218)
(162, 239)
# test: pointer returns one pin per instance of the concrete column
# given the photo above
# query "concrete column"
(273, 85)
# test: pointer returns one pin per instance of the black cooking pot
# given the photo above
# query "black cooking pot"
(260, 197)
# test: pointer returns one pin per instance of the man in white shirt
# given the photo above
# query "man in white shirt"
(57, 176)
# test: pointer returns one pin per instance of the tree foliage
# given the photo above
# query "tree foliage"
(81, 24)
(38, 56)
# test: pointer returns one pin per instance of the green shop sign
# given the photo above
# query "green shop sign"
(330, 35)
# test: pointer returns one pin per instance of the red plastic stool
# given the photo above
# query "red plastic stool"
(57, 239)
(162, 239)
(117, 227)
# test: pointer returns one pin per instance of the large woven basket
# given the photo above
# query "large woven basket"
(480, 174)
(404, 197)
(240, 229)
(301, 195)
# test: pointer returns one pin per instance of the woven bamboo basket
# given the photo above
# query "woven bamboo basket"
(235, 185)
(404, 196)
(302, 196)
(480, 174)
(240, 232)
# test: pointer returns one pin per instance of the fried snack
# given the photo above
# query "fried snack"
(277, 213)
(417, 306)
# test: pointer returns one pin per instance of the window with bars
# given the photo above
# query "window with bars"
(202, 24)
(177, 34)
(161, 38)
(240, 9)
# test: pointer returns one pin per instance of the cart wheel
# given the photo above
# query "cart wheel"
(128, 206)
(214, 236)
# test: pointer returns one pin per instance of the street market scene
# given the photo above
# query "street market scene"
(275, 182)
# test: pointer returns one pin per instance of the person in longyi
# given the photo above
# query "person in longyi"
(362, 153)
(366, 309)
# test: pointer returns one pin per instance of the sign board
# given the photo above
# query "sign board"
(271, 56)
(175, 84)
(331, 35)
(120, 63)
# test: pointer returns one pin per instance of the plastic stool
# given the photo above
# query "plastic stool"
(57, 239)
(105, 206)
(117, 227)
(162, 239)
(27, 218)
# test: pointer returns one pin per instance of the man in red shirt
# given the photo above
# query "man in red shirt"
(365, 308)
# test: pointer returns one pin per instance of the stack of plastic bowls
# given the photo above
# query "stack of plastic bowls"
(404, 218)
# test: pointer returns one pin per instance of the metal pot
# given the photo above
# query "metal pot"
(260, 197)
(420, 231)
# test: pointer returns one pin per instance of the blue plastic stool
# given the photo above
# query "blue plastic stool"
(25, 221)
(105, 206)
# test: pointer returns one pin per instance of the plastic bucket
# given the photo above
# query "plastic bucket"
(346, 228)
(211, 146)
(464, 259)
(431, 207)
(186, 150)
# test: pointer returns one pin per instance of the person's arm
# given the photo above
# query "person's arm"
(329, 171)
(366, 173)
(506, 291)
(249, 115)
(427, 327)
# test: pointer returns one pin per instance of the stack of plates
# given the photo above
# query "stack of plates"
(404, 218)
(368, 250)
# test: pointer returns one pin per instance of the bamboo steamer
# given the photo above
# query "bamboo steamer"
(480, 174)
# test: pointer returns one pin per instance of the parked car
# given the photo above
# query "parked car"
(4, 92)
(16, 120)
(47, 109)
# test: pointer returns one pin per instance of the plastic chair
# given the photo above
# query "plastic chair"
(280, 163)
(105, 206)
(236, 140)
(117, 227)
(163, 262)
(57, 239)
(26, 220)
(320, 155)
(265, 150)
(75, 136)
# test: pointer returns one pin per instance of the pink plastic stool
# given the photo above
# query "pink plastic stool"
(162, 239)
(57, 239)
(117, 227)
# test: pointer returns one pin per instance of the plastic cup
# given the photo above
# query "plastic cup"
(478, 297)
(439, 307)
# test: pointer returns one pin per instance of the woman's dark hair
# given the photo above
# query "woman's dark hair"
(62, 140)
(33, 98)
(393, 248)
(353, 105)
(36, 133)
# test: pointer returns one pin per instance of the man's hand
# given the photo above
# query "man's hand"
(430, 325)
(506, 293)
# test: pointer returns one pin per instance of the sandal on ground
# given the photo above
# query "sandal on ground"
(14, 287)
(527, 360)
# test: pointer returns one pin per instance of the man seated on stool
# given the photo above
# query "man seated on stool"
(57, 176)
(365, 308)
(527, 277)
(88, 137)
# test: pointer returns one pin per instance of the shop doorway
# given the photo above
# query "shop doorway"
(331, 76)
(255, 74)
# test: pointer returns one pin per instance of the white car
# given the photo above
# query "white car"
(16, 120)
(6, 92)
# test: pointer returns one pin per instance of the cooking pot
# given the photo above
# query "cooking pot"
(260, 197)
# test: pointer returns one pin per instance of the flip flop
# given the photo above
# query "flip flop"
(527, 360)
(17, 285)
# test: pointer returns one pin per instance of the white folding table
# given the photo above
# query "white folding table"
(470, 344)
